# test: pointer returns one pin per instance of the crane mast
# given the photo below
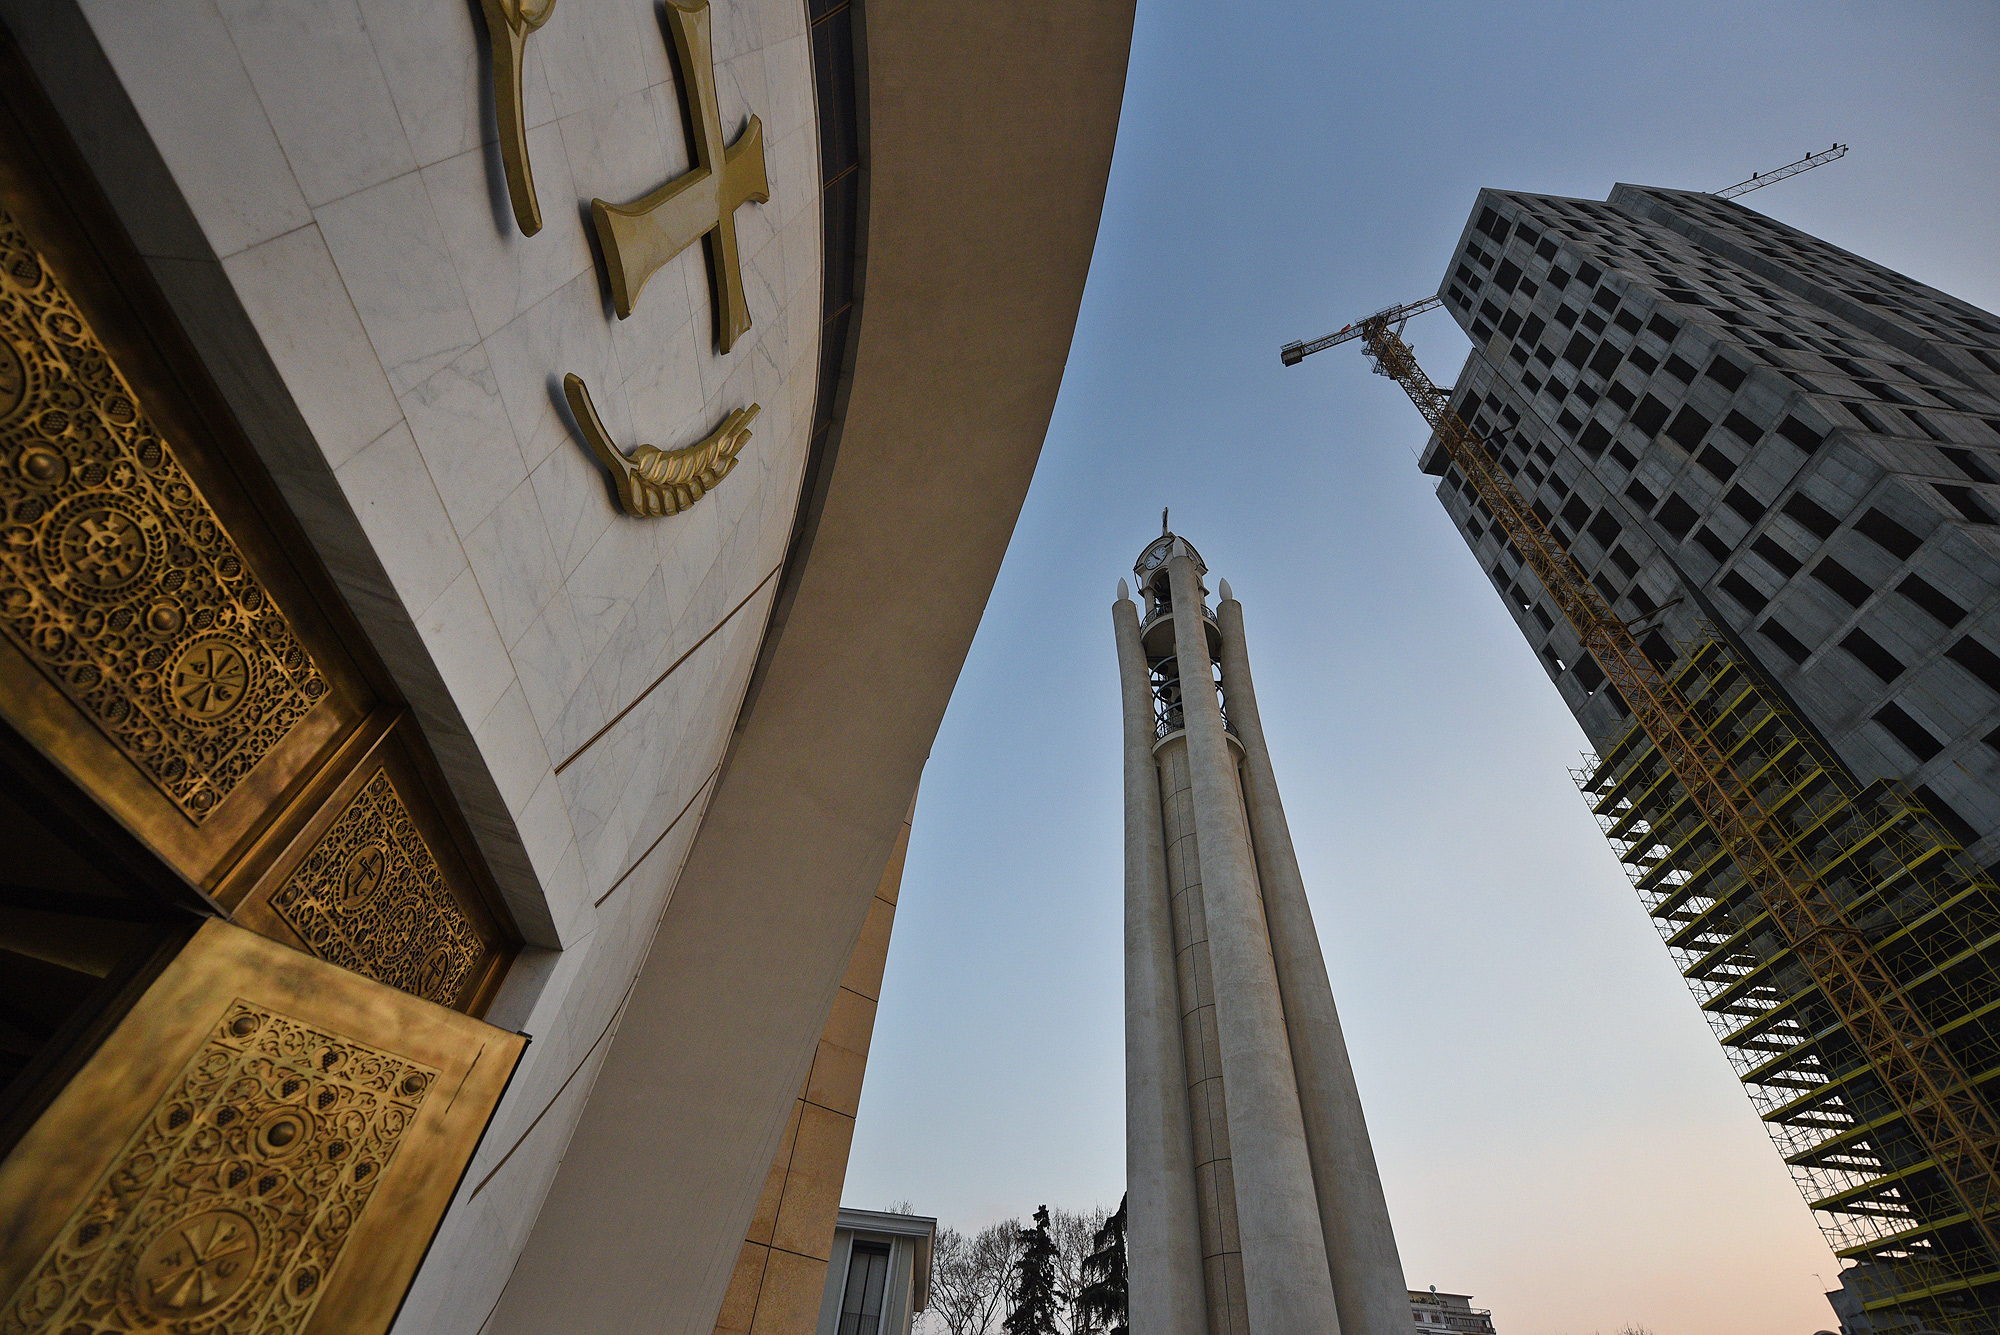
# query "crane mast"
(1924, 1079)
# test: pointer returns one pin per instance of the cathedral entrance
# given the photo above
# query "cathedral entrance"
(245, 937)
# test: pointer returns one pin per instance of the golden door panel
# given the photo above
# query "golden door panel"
(155, 639)
(373, 881)
(264, 1143)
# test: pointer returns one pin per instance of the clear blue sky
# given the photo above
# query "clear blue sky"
(1558, 1133)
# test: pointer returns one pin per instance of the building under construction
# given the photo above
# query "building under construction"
(1772, 469)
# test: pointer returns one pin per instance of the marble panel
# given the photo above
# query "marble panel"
(553, 676)
(545, 827)
(179, 66)
(511, 742)
(516, 567)
(391, 494)
(601, 49)
(391, 253)
(463, 643)
(434, 58)
(467, 439)
(294, 296)
(736, 29)
(576, 499)
(794, 161)
(315, 71)
(605, 582)
(621, 150)
(503, 272)
(787, 106)
(566, 331)
(741, 92)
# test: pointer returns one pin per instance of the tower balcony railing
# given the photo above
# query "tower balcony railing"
(1171, 721)
(1162, 610)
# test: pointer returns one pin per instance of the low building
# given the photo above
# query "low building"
(1432, 1312)
(881, 1273)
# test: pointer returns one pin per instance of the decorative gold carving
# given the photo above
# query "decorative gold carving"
(508, 23)
(656, 482)
(229, 1205)
(638, 238)
(117, 579)
(370, 897)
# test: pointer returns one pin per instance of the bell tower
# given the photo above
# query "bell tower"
(1256, 1208)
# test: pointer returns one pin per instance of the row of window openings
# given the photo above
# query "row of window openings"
(1508, 276)
(1811, 255)
(1968, 652)
(1690, 425)
(1892, 537)
(1843, 272)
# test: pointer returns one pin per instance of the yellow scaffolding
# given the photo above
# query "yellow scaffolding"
(1933, 919)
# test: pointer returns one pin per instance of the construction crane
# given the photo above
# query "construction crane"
(1927, 1083)
(1758, 180)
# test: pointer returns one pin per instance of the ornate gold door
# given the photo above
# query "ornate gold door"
(264, 1143)
(244, 931)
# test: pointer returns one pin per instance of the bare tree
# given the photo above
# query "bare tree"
(969, 1276)
(1075, 1236)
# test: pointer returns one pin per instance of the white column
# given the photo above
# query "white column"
(1163, 1237)
(1361, 1245)
(1287, 1283)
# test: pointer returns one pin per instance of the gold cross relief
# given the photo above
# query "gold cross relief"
(638, 238)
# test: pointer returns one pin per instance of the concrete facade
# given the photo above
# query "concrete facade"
(1255, 1201)
(1801, 445)
(782, 1269)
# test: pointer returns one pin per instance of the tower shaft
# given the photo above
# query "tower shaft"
(1256, 1205)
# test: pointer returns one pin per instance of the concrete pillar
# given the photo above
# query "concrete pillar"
(1289, 1288)
(1163, 1241)
(1361, 1246)
(1208, 1102)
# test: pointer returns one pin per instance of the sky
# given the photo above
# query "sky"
(1558, 1133)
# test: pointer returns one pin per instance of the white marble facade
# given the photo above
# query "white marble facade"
(339, 160)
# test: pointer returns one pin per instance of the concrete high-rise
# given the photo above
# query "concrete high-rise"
(1256, 1208)
(1781, 464)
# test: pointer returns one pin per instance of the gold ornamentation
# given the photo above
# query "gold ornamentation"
(508, 23)
(638, 238)
(371, 898)
(656, 482)
(233, 1200)
(117, 580)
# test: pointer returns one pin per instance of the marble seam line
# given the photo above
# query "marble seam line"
(619, 716)
(557, 1097)
(640, 861)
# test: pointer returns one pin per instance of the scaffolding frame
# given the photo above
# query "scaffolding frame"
(1903, 878)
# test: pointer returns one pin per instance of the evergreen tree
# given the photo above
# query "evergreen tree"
(1102, 1303)
(1035, 1295)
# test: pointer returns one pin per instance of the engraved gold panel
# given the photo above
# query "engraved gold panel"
(264, 1144)
(117, 579)
(233, 1199)
(371, 897)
